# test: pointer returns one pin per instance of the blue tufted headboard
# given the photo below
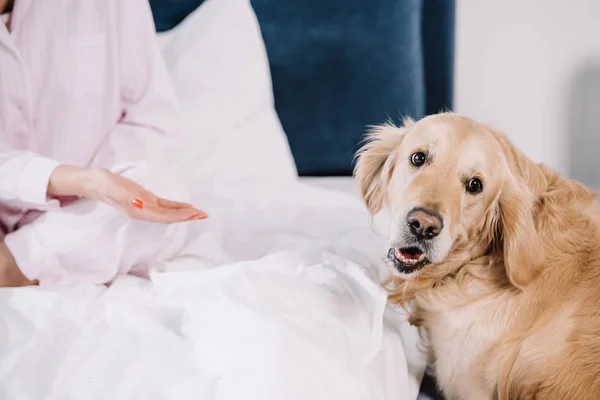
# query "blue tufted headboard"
(341, 65)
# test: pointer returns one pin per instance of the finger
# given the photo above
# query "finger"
(168, 215)
(197, 214)
(154, 215)
(172, 204)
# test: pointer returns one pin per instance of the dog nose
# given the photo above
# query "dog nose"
(424, 224)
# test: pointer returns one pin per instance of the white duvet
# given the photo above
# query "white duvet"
(277, 299)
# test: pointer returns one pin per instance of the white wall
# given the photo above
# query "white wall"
(532, 69)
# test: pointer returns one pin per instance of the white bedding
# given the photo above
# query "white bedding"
(277, 299)
(345, 184)
(276, 295)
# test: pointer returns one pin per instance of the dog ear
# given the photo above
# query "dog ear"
(375, 163)
(521, 243)
(516, 234)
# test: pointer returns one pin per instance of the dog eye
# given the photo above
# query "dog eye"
(417, 159)
(474, 186)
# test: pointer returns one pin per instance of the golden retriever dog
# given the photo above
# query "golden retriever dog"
(496, 257)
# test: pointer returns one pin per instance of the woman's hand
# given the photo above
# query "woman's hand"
(119, 192)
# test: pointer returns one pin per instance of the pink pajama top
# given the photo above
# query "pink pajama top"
(81, 83)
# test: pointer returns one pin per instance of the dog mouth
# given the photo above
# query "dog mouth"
(407, 259)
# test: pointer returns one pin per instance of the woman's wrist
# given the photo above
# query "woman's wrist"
(67, 180)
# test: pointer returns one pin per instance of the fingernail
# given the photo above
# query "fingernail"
(197, 216)
(138, 203)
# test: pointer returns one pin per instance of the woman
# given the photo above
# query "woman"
(86, 109)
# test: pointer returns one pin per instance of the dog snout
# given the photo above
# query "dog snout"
(424, 224)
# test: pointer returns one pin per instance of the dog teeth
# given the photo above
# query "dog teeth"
(400, 256)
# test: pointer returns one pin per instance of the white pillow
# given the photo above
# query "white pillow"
(220, 71)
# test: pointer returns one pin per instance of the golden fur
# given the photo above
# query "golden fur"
(513, 309)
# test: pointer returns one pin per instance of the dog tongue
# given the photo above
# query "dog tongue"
(412, 255)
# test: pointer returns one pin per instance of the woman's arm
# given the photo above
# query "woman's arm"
(24, 178)
(31, 181)
(68, 180)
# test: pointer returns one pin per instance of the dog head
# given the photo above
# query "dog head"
(456, 190)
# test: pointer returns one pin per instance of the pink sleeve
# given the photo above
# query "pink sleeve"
(146, 129)
(24, 178)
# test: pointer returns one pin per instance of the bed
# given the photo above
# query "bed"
(276, 296)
